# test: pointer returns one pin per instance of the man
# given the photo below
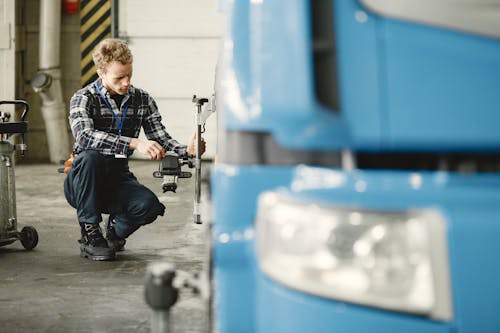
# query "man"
(106, 117)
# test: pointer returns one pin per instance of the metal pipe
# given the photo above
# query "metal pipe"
(47, 82)
(50, 30)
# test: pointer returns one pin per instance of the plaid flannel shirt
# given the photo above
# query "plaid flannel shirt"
(99, 132)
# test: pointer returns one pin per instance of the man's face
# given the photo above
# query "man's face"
(116, 77)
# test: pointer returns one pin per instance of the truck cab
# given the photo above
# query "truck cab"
(357, 183)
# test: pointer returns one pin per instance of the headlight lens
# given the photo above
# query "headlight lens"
(392, 260)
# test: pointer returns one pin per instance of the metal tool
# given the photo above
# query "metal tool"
(202, 114)
(170, 171)
(163, 280)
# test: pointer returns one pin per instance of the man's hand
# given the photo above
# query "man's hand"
(151, 149)
(67, 164)
(191, 149)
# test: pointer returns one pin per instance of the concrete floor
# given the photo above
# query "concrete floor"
(52, 289)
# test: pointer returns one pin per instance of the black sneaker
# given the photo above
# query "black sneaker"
(93, 245)
(114, 242)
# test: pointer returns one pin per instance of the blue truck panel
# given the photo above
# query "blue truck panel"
(409, 73)
(450, 78)
(393, 76)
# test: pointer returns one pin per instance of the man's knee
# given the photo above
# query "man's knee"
(147, 208)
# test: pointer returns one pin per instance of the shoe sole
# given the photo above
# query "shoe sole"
(86, 255)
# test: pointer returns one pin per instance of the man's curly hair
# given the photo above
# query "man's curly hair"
(109, 50)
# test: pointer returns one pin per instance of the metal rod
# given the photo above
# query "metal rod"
(160, 322)
(197, 184)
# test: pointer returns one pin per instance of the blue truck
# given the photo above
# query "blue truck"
(357, 183)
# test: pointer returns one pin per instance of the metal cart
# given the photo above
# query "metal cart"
(8, 214)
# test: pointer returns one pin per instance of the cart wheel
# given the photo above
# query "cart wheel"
(29, 237)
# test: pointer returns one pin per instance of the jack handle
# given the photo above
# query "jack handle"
(25, 105)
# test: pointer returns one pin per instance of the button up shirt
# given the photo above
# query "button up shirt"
(95, 127)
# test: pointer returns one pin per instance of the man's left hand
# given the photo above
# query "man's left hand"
(191, 149)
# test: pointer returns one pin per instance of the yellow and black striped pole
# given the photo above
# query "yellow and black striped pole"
(95, 25)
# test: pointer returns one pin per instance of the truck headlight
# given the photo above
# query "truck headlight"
(392, 260)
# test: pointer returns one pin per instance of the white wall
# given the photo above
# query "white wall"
(175, 46)
(7, 51)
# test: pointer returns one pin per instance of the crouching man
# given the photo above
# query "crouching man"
(106, 117)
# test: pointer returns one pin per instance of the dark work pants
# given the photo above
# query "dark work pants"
(98, 184)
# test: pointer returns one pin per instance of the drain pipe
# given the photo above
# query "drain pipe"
(47, 82)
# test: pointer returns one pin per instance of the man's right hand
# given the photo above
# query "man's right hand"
(152, 149)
